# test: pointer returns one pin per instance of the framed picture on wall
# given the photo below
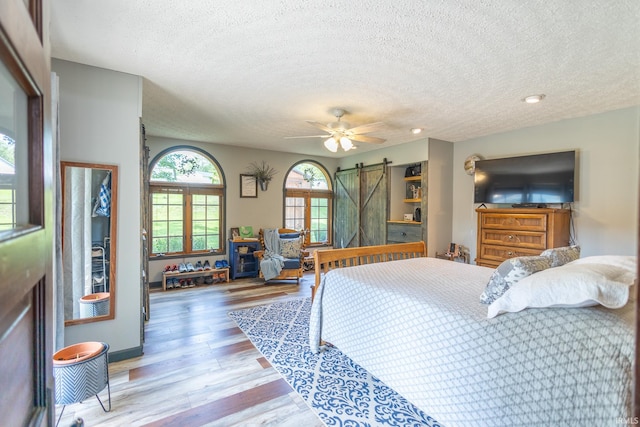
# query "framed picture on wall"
(248, 186)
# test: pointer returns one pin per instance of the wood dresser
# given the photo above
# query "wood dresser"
(508, 233)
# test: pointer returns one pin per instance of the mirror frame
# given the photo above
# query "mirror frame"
(113, 231)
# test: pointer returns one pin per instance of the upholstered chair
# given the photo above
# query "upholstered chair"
(282, 255)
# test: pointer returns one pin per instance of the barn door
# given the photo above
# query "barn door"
(26, 212)
(346, 224)
(373, 205)
(361, 206)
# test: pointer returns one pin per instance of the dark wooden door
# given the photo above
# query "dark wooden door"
(26, 282)
(361, 206)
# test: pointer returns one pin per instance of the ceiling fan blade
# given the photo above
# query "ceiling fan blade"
(370, 139)
(366, 128)
(321, 126)
(307, 136)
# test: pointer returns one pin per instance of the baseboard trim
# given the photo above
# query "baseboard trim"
(129, 353)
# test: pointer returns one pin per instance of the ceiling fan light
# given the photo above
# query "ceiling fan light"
(346, 143)
(331, 144)
(534, 99)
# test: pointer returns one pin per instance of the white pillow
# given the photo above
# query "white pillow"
(577, 284)
(622, 261)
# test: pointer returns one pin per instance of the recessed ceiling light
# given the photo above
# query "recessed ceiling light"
(416, 131)
(534, 99)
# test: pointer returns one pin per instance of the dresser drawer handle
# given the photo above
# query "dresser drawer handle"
(510, 253)
(510, 237)
(404, 234)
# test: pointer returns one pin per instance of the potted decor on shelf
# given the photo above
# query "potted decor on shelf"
(262, 173)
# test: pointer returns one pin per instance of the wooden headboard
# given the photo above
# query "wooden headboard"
(329, 259)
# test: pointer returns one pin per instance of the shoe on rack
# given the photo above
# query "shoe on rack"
(199, 280)
(206, 265)
(167, 268)
(183, 283)
(174, 268)
(199, 266)
(169, 283)
(208, 280)
(190, 267)
(225, 263)
(190, 283)
(182, 268)
(218, 264)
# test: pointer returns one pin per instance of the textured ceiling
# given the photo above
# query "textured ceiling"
(249, 73)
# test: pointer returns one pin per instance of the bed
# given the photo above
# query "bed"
(417, 324)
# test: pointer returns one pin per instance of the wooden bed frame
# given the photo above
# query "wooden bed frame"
(329, 259)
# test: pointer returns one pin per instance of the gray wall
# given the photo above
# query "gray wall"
(265, 211)
(99, 111)
(99, 123)
(438, 212)
(606, 207)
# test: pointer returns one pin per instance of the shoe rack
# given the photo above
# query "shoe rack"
(218, 275)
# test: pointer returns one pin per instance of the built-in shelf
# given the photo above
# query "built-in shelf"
(413, 178)
(399, 221)
(412, 200)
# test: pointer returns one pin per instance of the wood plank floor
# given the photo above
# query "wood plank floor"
(198, 368)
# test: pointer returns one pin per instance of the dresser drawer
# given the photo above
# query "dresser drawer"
(500, 253)
(514, 221)
(515, 238)
(403, 233)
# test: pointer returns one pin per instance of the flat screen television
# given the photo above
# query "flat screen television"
(538, 179)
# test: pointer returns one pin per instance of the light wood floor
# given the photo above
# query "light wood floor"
(198, 368)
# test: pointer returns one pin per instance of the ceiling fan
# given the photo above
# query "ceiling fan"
(341, 135)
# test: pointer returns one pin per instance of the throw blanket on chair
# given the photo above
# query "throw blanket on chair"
(272, 263)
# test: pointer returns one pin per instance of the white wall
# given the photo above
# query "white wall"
(99, 123)
(606, 207)
(265, 211)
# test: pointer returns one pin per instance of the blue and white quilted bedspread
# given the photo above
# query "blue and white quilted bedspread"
(419, 326)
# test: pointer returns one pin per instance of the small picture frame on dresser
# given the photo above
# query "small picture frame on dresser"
(454, 249)
(235, 233)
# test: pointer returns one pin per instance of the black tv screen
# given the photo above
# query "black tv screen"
(535, 179)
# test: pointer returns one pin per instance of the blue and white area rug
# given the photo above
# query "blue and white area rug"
(340, 391)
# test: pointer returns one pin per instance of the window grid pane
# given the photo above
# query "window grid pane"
(294, 213)
(7, 209)
(205, 225)
(167, 228)
(319, 221)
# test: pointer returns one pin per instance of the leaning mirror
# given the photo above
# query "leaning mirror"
(89, 221)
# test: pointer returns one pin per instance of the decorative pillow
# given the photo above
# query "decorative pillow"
(290, 236)
(561, 256)
(509, 272)
(290, 248)
(572, 285)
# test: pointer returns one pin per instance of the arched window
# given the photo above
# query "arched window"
(308, 202)
(186, 187)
